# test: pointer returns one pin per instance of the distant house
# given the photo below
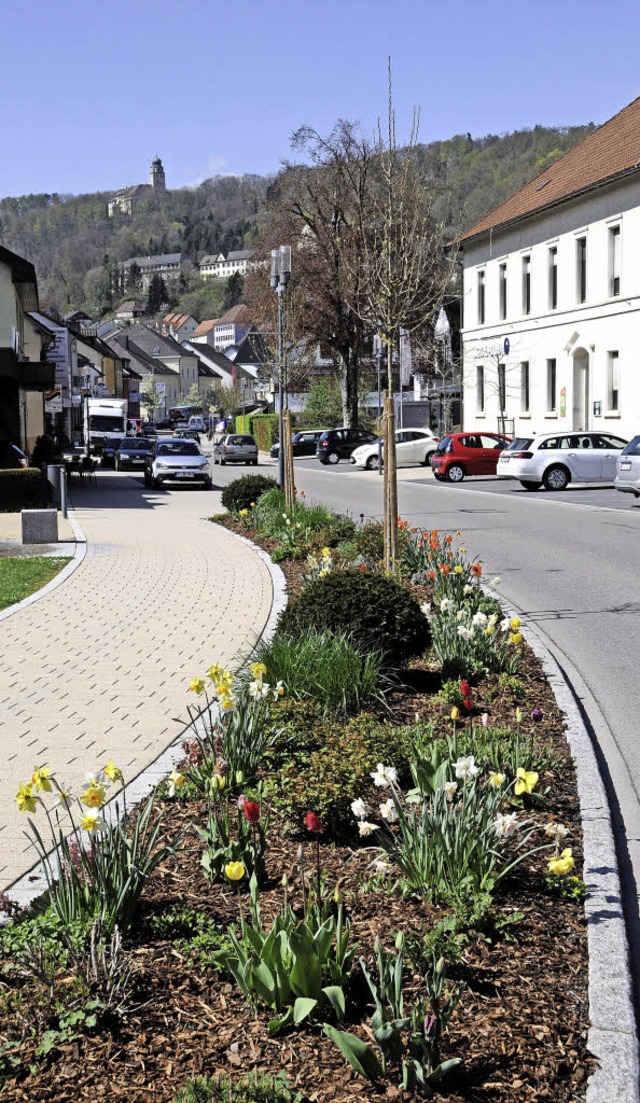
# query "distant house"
(125, 200)
(129, 311)
(232, 327)
(167, 265)
(205, 333)
(164, 351)
(179, 326)
(220, 267)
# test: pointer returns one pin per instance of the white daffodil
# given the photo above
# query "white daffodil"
(465, 633)
(384, 775)
(176, 781)
(359, 808)
(504, 826)
(382, 867)
(467, 590)
(480, 619)
(461, 615)
(556, 831)
(256, 688)
(505, 624)
(446, 604)
(365, 829)
(496, 581)
(388, 811)
(450, 789)
(466, 767)
(426, 608)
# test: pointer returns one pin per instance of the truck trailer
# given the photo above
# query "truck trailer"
(104, 418)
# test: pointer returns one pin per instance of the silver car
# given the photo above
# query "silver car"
(236, 448)
(557, 459)
(178, 462)
(628, 469)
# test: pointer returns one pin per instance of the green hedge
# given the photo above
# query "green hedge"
(22, 488)
(264, 427)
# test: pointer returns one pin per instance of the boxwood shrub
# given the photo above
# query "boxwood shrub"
(22, 488)
(375, 611)
(241, 493)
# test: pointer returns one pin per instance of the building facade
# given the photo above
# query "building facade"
(220, 267)
(125, 200)
(551, 295)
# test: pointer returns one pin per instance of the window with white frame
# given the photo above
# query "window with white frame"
(526, 285)
(524, 387)
(480, 388)
(613, 383)
(551, 386)
(615, 241)
(552, 260)
(502, 284)
(481, 287)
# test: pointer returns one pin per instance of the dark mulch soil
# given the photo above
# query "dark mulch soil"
(520, 1028)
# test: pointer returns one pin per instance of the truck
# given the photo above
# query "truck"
(104, 418)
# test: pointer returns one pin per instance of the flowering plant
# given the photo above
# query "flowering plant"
(466, 641)
(94, 867)
(235, 832)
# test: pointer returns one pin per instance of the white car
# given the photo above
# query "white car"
(412, 446)
(557, 459)
(177, 461)
(627, 477)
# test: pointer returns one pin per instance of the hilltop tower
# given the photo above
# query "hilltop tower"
(158, 182)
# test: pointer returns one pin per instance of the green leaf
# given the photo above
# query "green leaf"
(360, 1056)
(335, 996)
(275, 1025)
(302, 1008)
(443, 1068)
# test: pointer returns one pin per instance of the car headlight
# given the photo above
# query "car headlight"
(161, 466)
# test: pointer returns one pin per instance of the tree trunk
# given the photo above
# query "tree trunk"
(348, 379)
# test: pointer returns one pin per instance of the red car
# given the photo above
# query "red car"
(462, 454)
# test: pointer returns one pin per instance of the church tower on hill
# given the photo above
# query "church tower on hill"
(158, 182)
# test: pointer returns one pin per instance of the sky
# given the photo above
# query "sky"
(91, 91)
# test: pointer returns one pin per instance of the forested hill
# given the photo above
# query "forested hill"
(77, 249)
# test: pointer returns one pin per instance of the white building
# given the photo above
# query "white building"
(551, 294)
(220, 267)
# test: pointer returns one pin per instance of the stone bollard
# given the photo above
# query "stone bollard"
(39, 526)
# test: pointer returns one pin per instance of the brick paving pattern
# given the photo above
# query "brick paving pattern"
(100, 667)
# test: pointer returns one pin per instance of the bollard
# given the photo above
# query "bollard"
(63, 491)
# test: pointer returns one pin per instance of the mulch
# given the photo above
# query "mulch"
(520, 1028)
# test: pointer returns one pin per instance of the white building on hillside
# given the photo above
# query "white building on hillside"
(220, 267)
(551, 294)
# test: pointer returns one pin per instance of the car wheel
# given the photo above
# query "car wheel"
(222, 462)
(207, 484)
(556, 478)
(254, 463)
(455, 473)
(427, 459)
(156, 484)
(332, 457)
(372, 463)
(148, 482)
(530, 486)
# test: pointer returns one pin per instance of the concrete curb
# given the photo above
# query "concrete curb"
(612, 1037)
(33, 884)
(79, 553)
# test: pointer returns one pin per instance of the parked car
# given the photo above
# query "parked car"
(188, 434)
(236, 448)
(303, 443)
(133, 452)
(109, 449)
(627, 477)
(412, 446)
(338, 444)
(149, 430)
(177, 461)
(553, 460)
(198, 423)
(460, 454)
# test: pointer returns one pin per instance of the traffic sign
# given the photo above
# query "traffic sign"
(506, 346)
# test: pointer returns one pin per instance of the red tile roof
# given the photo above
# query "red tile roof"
(205, 327)
(611, 151)
(239, 313)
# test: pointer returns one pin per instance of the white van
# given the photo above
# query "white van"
(197, 422)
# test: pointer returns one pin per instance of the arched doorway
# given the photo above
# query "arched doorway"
(581, 389)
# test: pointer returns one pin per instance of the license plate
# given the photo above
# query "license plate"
(184, 475)
(625, 466)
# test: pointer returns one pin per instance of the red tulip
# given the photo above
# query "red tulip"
(468, 704)
(313, 822)
(251, 809)
(465, 689)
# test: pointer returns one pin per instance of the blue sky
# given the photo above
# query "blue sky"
(90, 91)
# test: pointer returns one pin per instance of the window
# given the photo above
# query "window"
(553, 278)
(581, 269)
(551, 386)
(614, 260)
(481, 298)
(502, 387)
(613, 383)
(480, 389)
(502, 281)
(526, 285)
(524, 387)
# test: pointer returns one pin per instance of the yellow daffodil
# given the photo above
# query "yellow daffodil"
(235, 871)
(518, 716)
(458, 569)
(489, 630)
(93, 796)
(226, 703)
(455, 712)
(91, 820)
(463, 551)
(496, 780)
(258, 670)
(326, 552)
(40, 779)
(563, 864)
(113, 772)
(526, 781)
(25, 799)
(176, 781)
(214, 672)
(514, 624)
(516, 638)
(243, 513)
(196, 685)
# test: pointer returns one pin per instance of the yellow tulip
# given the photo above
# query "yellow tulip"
(235, 871)
(526, 781)
(196, 685)
(563, 864)
(458, 569)
(455, 712)
(516, 638)
(114, 773)
(258, 670)
(25, 799)
(40, 778)
(514, 624)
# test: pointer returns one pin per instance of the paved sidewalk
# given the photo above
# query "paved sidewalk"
(100, 667)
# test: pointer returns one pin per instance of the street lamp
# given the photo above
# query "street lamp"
(280, 273)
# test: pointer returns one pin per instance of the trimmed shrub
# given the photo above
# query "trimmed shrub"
(376, 612)
(241, 493)
(22, 488)
(264, 428)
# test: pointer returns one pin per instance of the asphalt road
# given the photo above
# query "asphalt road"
(570, 564)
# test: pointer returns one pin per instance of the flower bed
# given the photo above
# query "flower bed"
(380, 900)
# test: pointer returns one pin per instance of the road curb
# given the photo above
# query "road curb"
(612, 1036)
(28, 888)
(79, 553)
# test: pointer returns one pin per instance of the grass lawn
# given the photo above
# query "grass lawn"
(21, 577)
